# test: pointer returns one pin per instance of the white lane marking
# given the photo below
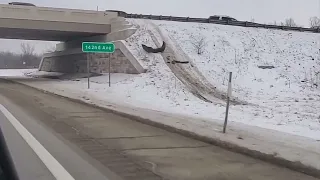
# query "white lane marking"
(57, 170)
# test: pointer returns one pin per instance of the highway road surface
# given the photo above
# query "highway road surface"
(54, 138)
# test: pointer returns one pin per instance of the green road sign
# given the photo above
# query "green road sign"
(98, 47)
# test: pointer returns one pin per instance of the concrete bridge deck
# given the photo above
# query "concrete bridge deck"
(52, 24)
(72, 27)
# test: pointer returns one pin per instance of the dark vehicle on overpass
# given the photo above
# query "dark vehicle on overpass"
(224, 18)
(21, 4)
(120, 13)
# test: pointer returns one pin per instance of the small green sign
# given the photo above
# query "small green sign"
(98, 47)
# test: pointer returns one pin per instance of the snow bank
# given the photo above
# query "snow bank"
(43, 74)
(287, 96)
(241, 50)
(15, 72)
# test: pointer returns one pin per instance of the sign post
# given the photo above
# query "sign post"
(98, 47)
(88, 69)
(228, 103)
(109, 70)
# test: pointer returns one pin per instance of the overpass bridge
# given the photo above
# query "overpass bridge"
(52, 24)
(71, 27)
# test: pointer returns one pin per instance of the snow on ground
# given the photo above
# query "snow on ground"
(295, 56)
(15, 72)
(286, 146)
(285, 108)
(36, 73)
(288, 95)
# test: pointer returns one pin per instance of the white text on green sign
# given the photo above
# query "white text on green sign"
(97, 47)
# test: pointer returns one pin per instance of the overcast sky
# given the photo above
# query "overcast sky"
(263, 11)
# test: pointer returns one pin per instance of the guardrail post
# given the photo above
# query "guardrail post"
(109, 69)
(88, 70)
(160, 17)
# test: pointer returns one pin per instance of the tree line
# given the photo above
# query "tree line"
(314, 22)
(25, 60)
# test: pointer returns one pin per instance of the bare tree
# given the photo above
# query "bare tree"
(28, 56)
(199, 43)
(252, 20)
(50, 49)
(27, 49)
(9, 60)
(314, 22)
(273, 23)
(290, 22)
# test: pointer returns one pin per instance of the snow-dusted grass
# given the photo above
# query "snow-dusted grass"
(240, 50)
(288, 107)
(287, 96)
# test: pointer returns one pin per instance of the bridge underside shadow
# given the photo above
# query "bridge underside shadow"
(75, 61)
(47, 35)
(69, 58)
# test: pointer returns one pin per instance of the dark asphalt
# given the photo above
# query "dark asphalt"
(29, 166)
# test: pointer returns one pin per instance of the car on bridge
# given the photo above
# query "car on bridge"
(223, 18)
(120, 13)
(21, 4)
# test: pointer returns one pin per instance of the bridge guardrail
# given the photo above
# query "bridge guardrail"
(223, 22)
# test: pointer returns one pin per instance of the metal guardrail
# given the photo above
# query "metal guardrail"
(223, 22)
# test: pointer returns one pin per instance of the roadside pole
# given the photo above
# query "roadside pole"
(228, 103)
(235, 55)
(88, 69)
(109, 70)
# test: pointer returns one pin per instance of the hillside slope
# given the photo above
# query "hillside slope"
(241, 50)
(287, 94)
(188, 73)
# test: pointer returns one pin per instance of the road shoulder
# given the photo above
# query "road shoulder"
(80, 165)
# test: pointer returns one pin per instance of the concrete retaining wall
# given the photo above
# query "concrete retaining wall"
(75, 61)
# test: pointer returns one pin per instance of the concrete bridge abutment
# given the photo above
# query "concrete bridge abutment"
(69, 58)
(73, 60)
